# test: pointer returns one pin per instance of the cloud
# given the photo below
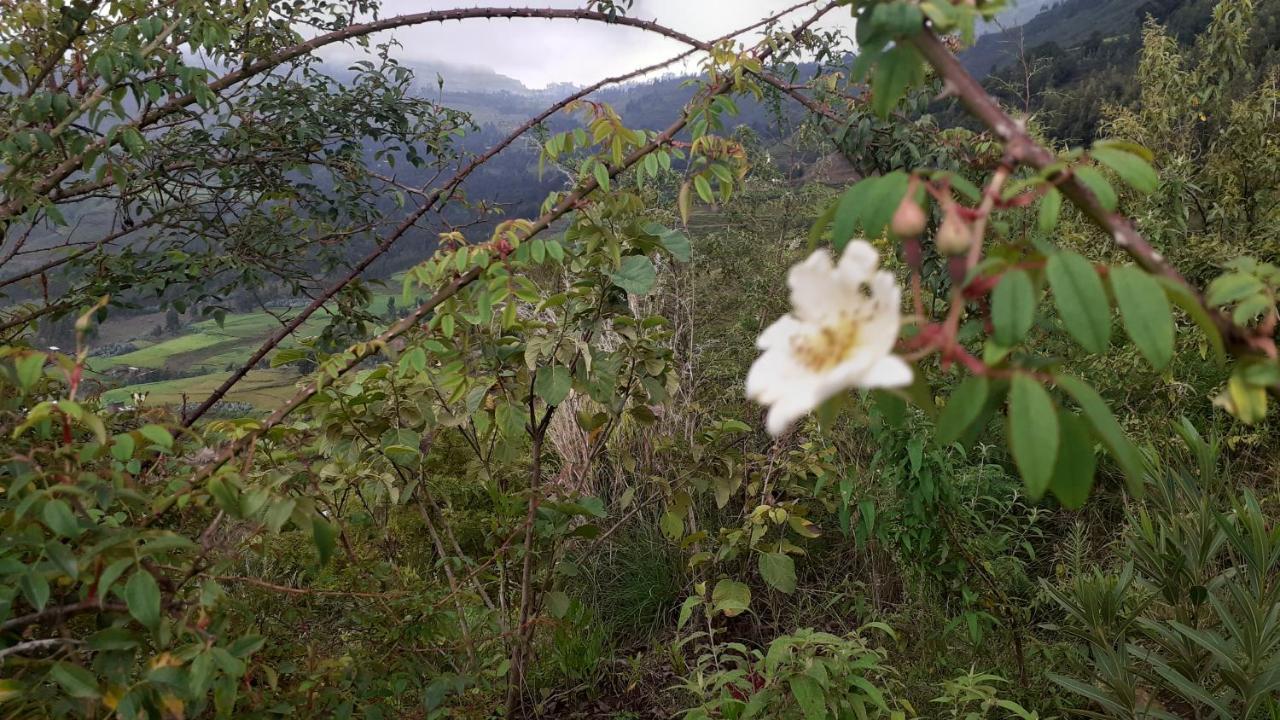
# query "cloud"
(543, 52)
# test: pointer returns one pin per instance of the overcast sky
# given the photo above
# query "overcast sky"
(541, 52)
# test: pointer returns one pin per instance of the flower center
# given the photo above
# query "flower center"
(829, 344)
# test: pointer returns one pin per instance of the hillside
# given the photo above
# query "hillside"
(1074, 57)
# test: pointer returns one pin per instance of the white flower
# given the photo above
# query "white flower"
(840, 333)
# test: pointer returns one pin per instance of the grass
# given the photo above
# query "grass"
(158, 355)
(264, 389)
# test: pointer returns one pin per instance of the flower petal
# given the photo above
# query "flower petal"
(783, 414)
(774, 375)
(859, 260)
(889, 372)
(779, 334)
(815, 288)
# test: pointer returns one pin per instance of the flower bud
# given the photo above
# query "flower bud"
(908, 219)
(955, 235)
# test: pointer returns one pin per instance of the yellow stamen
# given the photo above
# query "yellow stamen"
(831, 344)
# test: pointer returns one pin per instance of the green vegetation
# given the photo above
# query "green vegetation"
(802, 401)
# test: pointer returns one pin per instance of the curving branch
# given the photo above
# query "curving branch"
(1022, 149)
(442, 194)
(15, 206)
(567, 203)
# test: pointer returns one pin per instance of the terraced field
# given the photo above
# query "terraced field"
(261, 388)
(210, 349)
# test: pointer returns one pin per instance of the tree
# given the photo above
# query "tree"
(133, 544)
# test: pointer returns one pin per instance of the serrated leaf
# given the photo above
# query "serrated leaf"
(1181, 296)
(553, 384)
(848, 215)
(895, 71)
(1232, 287)
(1097, 184)
(142, 596)
(1107, 429)
(35, 588)
(601, 174)
(1013, 307)
(809, 696)
(1146, 314)
(557, 604)
(1081, 300)
(59, 518)
(78, 682)
(1050, 208)
(703, 188)
(730, 597)
(1074, 470)
(963, 408)
(1033, 433)
(1132, 169)
(122, 447)
(677, 243)
(636, 275)
(157, 435)
(28, 369)
(779, 570)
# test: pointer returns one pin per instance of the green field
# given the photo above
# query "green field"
(209, 349)
(262, 388)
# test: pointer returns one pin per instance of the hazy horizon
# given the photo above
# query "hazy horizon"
(575, 52)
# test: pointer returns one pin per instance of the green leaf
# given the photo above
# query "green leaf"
(553, 384)
(849, 212)
(58, 516)
(78, 682)
(1013, 307)
(1107, 429)
(111, 574)
(636, 275)
(677, 243)
(1073, 473)
(730, 597)
(686, 610)
(1132, 169)
(963, 408)
(324, 535)
(1190, 304)
(1231, 287)
(1097, 184)
(557, 604)
(868, 206)
(779, 570)
(601, 174)
(35, 588)
(1081, 300)
(157, 435)
(897, 68)
(122, 447)
(1145, 312)
(1243, 399)
(703, 188)
(1033, 433)
(809, 696)
(1050, 208)
(671, 525)
(142, 595)
(883, 198)
(28, 369)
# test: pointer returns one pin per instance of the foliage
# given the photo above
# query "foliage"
(529, 483)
